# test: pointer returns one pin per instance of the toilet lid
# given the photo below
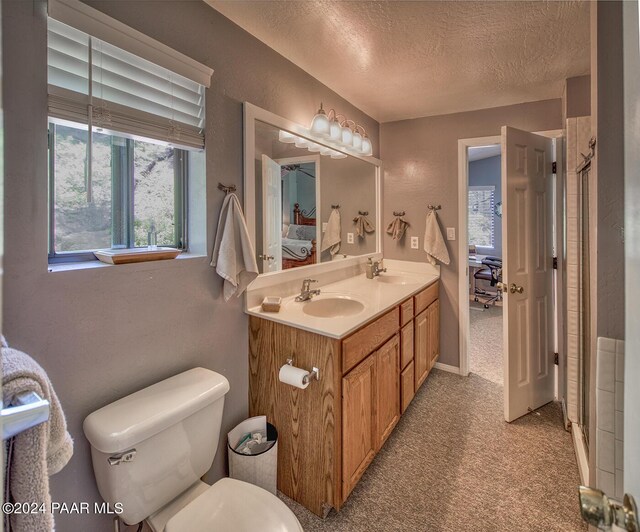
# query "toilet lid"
(234, 505)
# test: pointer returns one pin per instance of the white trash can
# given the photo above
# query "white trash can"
(261, 468)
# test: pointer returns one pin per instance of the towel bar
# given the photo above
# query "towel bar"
(26, 410)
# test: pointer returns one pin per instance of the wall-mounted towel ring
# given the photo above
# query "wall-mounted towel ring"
(363, 213)
(434, 207)
(399, 213)
(226, 188)
(335, 206)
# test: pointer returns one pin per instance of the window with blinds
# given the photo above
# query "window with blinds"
(123, 135)
(481, 216)
(92, 81)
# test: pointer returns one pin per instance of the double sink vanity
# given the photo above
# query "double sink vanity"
(371, 332)
(374, 342)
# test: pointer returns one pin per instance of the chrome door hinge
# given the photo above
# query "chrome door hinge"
(556, 359)
(554, 167)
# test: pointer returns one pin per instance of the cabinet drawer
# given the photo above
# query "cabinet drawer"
(367, 339)
(406, 345)
(406, 312)
(407, 388)
(426, 297)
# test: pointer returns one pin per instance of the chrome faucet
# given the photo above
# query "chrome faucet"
(306, 293)
(374, 269)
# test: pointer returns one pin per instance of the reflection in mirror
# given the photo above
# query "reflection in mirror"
(295, 190)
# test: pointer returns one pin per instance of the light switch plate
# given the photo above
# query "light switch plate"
(349, 238)
(451, 233)
(324, 226)
(414, 242)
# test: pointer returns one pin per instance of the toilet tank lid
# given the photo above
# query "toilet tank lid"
(119, 426)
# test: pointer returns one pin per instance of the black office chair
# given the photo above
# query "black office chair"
(493, 274)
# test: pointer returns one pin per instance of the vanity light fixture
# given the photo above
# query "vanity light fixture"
(335, 130)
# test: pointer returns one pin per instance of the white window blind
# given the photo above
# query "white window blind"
(121, 92)
(481, 216)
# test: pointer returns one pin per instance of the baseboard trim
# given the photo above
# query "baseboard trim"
(448, 368)
(581, 453)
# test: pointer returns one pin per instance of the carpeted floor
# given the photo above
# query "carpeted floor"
(453, 464)
(485, 342)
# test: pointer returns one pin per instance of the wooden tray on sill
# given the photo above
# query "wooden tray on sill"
(127, 256)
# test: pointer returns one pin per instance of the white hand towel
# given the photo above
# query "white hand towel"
(38, 452)
(363, 225)
(233, 255)
(331, 239)
(434, 244)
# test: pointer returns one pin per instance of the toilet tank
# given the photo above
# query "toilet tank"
(149, 447)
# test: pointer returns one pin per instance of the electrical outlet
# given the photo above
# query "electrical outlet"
(324, 226)
(414, 242)
(349, 238)
(451, 233)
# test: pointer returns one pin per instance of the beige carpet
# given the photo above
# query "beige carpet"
(485, 342)
(453, 464)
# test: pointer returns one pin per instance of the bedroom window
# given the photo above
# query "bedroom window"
(121, 130)
(481, 216)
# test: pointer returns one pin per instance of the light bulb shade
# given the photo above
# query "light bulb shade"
(312, 146)
(285, 136)
(338, 155)
(301, 143)
(366, 146)
(335, 131)
(320, 124)
(347, 136)
(326, 151)
(357, 141)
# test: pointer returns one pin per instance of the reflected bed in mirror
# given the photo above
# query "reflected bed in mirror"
(291, 191)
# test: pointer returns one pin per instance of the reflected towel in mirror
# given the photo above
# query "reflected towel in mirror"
(331, 238)
(363, 225)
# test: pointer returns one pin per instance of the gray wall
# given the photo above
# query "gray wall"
(421, 167)
(577, 97)
(103, 333)
(487, 172)
(350, 183)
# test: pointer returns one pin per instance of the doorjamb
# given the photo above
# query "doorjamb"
(463, 241)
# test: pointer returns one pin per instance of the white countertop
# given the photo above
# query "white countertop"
(376, 296)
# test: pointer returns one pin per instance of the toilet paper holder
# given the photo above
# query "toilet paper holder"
(313, 374)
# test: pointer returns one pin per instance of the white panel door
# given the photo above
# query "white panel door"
(527, 271)
(272, 215)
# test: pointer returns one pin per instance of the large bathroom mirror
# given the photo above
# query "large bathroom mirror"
(306, 204)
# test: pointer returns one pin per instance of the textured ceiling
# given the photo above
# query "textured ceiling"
(484, 152)
(397, 59)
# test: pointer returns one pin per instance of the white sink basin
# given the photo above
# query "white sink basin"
(333, 307)
(396, 279)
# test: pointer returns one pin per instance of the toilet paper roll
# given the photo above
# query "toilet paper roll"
(293, 376)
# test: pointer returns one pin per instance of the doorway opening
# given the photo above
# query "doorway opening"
(484, 239)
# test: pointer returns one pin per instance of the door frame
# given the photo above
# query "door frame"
(463, 245)
(311, 158)
(463, 242)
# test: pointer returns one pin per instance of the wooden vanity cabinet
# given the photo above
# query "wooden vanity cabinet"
(329, 432)
(370, 410)
(427, 333)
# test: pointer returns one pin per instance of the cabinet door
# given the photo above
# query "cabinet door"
(421, 347)
(388, 389)
(358, 422)
(434, 332)
(406, 345)
(407, 386)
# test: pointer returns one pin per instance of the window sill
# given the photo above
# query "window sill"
(96, 264)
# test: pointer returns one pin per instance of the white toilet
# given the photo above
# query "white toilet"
(150, 449)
